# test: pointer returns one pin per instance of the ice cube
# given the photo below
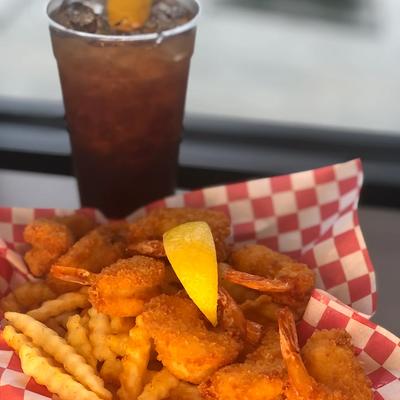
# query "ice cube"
(81, 17)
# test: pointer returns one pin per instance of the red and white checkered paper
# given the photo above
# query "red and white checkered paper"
(309, 215)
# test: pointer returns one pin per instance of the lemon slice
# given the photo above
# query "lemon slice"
(127, 15)
(191, 251)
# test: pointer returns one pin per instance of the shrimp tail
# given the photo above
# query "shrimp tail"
(150, 248)
(256, 282)
(304, 385)
(233, 320)
(254, 332)
(71, 274)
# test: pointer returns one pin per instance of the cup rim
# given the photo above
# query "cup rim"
(156, 36)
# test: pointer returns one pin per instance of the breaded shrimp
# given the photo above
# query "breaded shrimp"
(79, 224)
(327, 368)
(184, 391)
(261, 376)
(121, 289)
(159, 221)
(94, 251)
(263, 309)
(260, 260)
(51, 238)
(184, 343)
(155, 248)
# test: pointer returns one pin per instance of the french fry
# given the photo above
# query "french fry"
(111, 370)
(118, 343)
(160, 386)
(55, 379)
(62, 352)
(99, 328)
(134, 364)
(121, 324)
(64, 303)
(13, 339)
(85, 317)
(63, 318)
(53, 324)
(77, 337)
(32, 294)
(10, 303)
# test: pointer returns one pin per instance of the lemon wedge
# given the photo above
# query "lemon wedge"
(191, 251)
(127, 15)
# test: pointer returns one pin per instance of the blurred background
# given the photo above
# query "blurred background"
(276, 86)
(322, 62)
(290, 84)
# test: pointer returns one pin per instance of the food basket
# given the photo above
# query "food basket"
(310, 215)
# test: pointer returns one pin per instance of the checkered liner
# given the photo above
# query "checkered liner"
(310, 215)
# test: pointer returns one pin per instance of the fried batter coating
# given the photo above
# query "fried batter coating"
(51, 238)
(121, 289)
(260, 377)
(183, 342)
(184, 391)
(159, 221)
(79, 224)
(260, 260)
(94, 251)
(327, 368)
(329, 358)
(264, 310)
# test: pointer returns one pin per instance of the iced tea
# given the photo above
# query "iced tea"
(124, 100)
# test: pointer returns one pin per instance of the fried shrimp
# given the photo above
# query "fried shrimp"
(159, 221)
(261, 376)
(326, 369)
(183, 341)
(94, 251)
(121, 289)
(294, 280)
(155, 248)
(51, 238)
(78, 224)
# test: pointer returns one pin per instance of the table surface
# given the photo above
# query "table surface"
(379, 225)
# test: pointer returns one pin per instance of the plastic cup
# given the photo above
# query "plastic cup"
(124, 100)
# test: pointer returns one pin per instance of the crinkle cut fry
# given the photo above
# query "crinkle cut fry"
(118, 343)
(65, 302)
(160, 386)
(13, 339)
(134, 364)
(77, 337)
(34, 363)
(62, 352)
(64, 385)
(99, 328)
(111, 370)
